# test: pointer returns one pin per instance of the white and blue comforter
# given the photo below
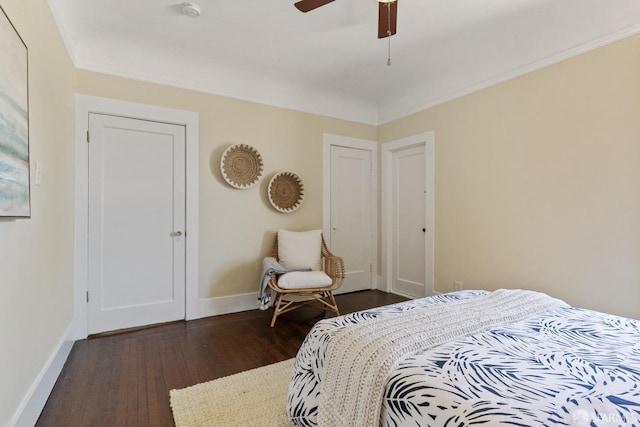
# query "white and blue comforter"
(567, 366)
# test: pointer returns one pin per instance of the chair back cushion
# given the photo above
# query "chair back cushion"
(300, 249)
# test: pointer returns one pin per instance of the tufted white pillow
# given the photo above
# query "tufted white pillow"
(300, 249)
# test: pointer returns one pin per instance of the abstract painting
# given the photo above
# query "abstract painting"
(15, 199)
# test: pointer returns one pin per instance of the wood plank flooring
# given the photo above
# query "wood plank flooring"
(125, 379)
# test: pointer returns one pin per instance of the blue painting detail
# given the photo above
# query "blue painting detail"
(14, 123)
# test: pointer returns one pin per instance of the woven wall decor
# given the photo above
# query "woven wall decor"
(286, 192)
(241, 166)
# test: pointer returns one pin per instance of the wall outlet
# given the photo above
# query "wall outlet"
(457, 285)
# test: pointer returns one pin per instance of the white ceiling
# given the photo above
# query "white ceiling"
(330, 61)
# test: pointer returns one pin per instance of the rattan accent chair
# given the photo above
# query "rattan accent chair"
(291, 297)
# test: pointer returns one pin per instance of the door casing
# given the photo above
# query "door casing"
(86, 104)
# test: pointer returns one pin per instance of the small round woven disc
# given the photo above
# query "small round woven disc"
(241, 166)
(286, 192)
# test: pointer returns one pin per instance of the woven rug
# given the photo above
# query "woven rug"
(251, 398)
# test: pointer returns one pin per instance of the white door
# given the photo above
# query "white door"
(408, 222)
(351, 215)
(136, 245)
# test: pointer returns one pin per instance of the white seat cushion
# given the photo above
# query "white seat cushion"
(300, 249)
(304, 280)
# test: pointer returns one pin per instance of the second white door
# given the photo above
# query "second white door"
(136, 246)
(351, 215)
(409, 228)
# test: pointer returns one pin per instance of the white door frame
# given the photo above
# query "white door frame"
(86, 104)
(428, 139)
(329, 140)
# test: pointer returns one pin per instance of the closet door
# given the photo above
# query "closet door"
(351, 215)
(136, 240)
(409, 229)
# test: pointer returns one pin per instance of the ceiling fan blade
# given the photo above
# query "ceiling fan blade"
(307, 5)
(384, 9)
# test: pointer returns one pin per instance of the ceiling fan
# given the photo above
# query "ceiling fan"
(387, 14)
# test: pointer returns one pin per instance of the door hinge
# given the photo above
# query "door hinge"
(370, 267)
(88, 138)
(87, 296)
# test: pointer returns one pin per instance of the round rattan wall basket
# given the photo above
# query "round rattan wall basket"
(286, 192)
(241, 166)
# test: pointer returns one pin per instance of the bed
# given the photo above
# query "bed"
(508, 357)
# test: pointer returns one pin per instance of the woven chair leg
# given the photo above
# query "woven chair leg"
(333, 302)
(276, 309)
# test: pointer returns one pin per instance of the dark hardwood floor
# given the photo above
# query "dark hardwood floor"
(125, 379)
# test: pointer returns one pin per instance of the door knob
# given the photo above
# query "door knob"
(176, 233)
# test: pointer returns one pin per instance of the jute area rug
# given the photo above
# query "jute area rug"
(251, 398)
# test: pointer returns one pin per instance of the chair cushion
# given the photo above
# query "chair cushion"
(304, 280)
(300, 249)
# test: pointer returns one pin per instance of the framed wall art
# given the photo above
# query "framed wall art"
(15, 198)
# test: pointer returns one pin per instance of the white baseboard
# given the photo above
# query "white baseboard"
(225, 305)
(33, 403)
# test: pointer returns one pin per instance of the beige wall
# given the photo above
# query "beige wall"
(237, 226)
(538, 181)
(536, 187)
(36, 255)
